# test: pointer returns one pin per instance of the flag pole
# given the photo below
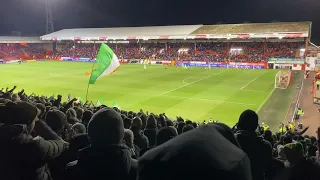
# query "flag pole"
(89, 80)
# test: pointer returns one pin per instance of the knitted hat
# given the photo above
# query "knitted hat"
(79, 128)
(165, 134)
(79, 112)
(18, 113)
(151, 122)
(187, 127)
(71, 113)
(87, 115)
(297, 147)
(169, 122)
(144, 121)
(248, 120)
(57, 121)
(106, 128)
(137, 122)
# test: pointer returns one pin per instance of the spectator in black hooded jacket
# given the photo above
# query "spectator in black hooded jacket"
(107, 157)
(23, 156)
(139, 138)
(151, 131)
(72, 116)
(258, 150)
(210, 152)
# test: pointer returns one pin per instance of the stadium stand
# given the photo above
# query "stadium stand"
(239, 43)
(208, 51)
(41, 137)
(45, 138)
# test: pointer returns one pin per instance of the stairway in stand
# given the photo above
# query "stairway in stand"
(25, 54)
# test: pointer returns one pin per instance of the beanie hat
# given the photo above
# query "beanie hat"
(105, 128)
(296, 147)
(71, 113)
(165, 134)
(151, 122)
(137, 122)
(79, 112)
(144, 121)
(80, 128)
(248, 120)
(169, 122)
(56, 120)
(18, 113)
(87, 115)
(180, 127)
(15, 97)
(187, 127)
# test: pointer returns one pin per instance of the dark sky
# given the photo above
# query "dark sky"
(28, 16)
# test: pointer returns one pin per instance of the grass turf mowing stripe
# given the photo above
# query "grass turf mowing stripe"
(199, 99)
(190, 83)
(133, 87)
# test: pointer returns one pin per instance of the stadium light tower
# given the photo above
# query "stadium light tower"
(49, 20)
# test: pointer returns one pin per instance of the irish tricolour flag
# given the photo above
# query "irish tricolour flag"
(107, 63)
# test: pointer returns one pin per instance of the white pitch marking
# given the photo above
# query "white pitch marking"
(184, 81)
(191, 83)
(36, 79)
(248, 83)
(253, 91)
(211, 100)
(265, 100)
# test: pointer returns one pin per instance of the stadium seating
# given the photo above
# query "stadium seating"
(203, 51)
(21, 51)
(51, 139)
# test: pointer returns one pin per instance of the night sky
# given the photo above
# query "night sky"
(28, 16)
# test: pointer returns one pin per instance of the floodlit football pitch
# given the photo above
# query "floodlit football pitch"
(196, 94)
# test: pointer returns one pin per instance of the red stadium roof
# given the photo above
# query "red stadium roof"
(288, 30)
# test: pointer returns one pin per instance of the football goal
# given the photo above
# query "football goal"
(282, 79)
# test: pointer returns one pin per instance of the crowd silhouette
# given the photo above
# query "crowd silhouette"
(46, 138)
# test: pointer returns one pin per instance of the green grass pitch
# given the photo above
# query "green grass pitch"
(196, 94)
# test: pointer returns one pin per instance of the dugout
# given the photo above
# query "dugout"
(287, 63)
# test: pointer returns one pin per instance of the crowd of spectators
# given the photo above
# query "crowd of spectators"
(22, 51)
(45, 138)
(201, 51)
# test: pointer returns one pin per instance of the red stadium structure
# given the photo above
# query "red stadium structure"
(285, 43)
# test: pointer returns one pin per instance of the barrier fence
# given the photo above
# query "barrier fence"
(239, 65)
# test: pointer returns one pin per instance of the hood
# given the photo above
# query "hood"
(13, 134)
(115, 159)
(247, 134)
(136, 130)
(211, 151)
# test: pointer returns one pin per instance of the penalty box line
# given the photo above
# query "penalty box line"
(248, 83)
(210, 100)
(191, 83)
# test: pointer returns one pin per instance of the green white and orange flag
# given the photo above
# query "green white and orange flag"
(107, 62)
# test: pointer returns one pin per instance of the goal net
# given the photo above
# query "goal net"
(282, 79)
